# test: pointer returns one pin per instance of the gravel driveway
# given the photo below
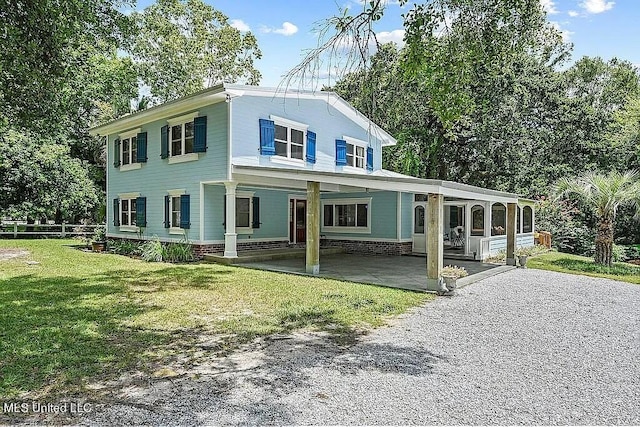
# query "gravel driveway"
(523, 347)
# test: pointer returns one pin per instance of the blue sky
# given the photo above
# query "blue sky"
(284, 28)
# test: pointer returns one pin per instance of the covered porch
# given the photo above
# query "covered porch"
(406, 272)
(427, 215)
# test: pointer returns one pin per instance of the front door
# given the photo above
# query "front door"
(419, 228)
(297, 221)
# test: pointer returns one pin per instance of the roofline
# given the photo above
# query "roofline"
(202, 97)
(384, 136)
(412, 181)
(144, 116)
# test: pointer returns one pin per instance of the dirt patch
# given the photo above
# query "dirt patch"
(6, 254)
(634, 261)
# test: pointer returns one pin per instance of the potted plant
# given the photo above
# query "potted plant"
(450, 275)
(523, 254)
(99, 240)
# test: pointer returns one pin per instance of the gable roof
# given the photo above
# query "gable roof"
(219, 93)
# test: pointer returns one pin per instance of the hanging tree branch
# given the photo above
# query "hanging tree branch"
(344, 43)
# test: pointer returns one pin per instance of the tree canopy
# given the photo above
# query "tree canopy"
(186, 45)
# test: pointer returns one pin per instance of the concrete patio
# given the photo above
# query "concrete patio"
(405, 272)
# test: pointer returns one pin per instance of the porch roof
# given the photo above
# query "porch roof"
(378, 180)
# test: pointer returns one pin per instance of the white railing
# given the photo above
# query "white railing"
(17, 229)
(489, 246)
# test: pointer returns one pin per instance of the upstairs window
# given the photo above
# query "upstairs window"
(289, 142)
(181, 139)
(129, 152)
(355, 156)
(290, 138)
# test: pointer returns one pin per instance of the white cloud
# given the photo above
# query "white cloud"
(287, 29)
(573, 13)
(239, 25)
(566, 34)
(549, 6)
(396, 36)
(596, 6)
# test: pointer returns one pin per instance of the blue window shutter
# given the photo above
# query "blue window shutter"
(116, 212)
(164, 142)
(141, 156)
(341, 152)
(116, 153)
(185, 211)
(311, 147)
(369, 158)
(200, 134)
(255, 223)
(267, 137)
(167, 214)
(141, 211)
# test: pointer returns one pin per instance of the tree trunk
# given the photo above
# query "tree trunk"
(604, 242)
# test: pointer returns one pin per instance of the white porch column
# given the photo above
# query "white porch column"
(313, 228)
(230, 235)
(487, 219)
(521, 218)
(467, 228)
(511, 233)
(435, 240)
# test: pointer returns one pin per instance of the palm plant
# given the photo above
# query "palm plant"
(604, 194)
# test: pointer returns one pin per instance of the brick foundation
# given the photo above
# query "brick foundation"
(201, 250)
(370, 247)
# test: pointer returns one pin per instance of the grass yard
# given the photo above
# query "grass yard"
(574, 264)
(77, 318)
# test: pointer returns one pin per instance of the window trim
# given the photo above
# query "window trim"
(347, 201)
(172, 194)
(126, 227)
(245, 195)
(291, 124)
(133, 163)
(356, 143)
(181, 121)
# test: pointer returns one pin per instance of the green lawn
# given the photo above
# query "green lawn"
(574, 264)
(77, 318)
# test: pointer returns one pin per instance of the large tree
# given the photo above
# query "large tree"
(37, 39)
(604, 195)
(186, 45)
(39, 179)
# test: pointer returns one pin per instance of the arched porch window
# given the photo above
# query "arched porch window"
(498, 219)
(527, 219)
(477, 220)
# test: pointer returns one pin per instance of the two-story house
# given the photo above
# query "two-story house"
(244, 167)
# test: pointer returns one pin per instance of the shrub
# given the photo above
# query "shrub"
(562, 219)
(124, 247)
(454, 271)
(632, 252)
(178, 252)
(152, 250)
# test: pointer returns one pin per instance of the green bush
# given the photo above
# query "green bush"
(632, 252)
(152, 250)
(124, 247)
(178, 252)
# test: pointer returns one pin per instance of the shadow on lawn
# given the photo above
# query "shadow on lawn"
(57, 332)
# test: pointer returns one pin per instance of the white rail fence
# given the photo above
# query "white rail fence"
(18, 229)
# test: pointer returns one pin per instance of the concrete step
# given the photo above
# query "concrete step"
(266, 255)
